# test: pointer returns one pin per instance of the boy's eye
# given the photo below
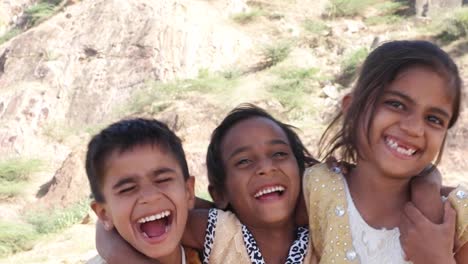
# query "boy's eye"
(395, 104)
(126, 189)
(163, 180)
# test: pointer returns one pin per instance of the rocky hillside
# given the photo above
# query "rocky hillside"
(68, 68)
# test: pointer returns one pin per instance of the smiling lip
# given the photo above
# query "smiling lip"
(399, 148)
(269, 192)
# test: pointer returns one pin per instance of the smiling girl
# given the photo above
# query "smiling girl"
(394, 124)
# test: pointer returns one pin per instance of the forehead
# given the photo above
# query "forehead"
(139, 160)
(250, 132)
(425, 86)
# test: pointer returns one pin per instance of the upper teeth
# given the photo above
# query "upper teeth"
(154, 217)
(392, 144)
(269, 190)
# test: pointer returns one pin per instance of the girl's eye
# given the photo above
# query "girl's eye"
(280, 154)
(435, 120)
(242, 162)
(395, 104)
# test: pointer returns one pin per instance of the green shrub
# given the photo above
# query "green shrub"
(454, 27)
(15, 237)
(9, 35)
(247, 17)
(157, 96)
(347, 8)
(39, 12)
(315, 26)
(384, 20)
(353, 60)
(14, 175)
(54, 220)
(18, 169)
(275, 54)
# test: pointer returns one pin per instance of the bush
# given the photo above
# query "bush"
(39, 12)
(15, 237)
(157, 96)
(353, 60)
(54, 220)
(246, 17)
(347, 8)
(14, 174)
(9, 35)
(315, 26)
(454, 27)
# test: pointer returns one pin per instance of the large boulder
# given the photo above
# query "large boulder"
(425, 8)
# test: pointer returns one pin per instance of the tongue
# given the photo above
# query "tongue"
(269, 196)
(154, 228)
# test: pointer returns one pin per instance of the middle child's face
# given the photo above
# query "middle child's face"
(262, 176)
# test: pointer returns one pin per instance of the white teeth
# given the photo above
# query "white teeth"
(269, 190)
(154, 217)
(392, 144)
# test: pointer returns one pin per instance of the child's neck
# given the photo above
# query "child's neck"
(174, 258)
(274, 241)
(379, 199)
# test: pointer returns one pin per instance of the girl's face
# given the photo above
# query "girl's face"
(410, 123)
(262, 176)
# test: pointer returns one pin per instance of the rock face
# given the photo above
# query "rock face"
(69, 184)
(428, 7)
(82, 63)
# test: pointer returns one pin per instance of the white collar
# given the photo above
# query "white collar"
(184, 261)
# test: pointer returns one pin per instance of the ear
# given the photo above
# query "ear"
(190, 191)
(219, 198)
(346, 102)
(103, 214)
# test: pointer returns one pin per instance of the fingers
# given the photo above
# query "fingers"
(414, 215)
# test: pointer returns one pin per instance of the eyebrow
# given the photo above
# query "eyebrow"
(160, 171)
(245, 148)
(409, 99)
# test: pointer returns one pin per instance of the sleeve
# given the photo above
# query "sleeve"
(459, 200)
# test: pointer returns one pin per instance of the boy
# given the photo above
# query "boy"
(141, 185)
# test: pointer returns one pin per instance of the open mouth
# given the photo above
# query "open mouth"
(270, 192)
(156, 225)
(400, 148)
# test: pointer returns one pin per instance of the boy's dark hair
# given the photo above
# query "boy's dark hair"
(380, 68)
(123, 136)
(214, 162)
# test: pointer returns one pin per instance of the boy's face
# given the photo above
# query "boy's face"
(146, 199)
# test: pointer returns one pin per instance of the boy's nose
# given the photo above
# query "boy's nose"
(413, 125)
(149, 194)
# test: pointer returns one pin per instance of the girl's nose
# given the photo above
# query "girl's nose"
(265, 166)
(413, 125)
